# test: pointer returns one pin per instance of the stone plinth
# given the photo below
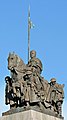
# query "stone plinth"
(29, 115)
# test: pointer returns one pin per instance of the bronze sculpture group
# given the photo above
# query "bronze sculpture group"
(26, 87)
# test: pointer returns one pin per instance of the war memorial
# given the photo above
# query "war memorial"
(30, 96)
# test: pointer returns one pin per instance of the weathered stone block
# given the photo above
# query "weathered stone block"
(29, 115)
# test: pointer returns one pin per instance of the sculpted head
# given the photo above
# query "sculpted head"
(53, 80)
(33, 54)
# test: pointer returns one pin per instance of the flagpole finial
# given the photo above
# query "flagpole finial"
(29, 7)
(29, 12)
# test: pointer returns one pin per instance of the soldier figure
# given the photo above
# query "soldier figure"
(56, 95)
(9, 99)
(35, 63)
(36, 68)
(34, 77)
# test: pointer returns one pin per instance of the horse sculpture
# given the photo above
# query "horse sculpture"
(21, 85)
(17, 68)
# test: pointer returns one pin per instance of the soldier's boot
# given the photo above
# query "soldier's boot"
(27, 104)
(7, 101)
(40, 105)
(59, 109)
(12, 104)
(14, 91)
(18, 93)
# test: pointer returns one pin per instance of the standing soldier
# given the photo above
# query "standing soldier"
(56, 95)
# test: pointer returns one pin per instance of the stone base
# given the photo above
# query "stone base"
(29, 115)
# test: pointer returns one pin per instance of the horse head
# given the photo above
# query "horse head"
(15, 62)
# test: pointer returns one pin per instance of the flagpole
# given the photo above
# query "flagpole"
(29, 33)
(30, 26)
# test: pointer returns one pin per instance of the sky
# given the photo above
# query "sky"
(48, 39)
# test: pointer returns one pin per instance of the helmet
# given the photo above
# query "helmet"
(53, 80)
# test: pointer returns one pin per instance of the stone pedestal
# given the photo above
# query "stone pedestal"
(29, 115)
